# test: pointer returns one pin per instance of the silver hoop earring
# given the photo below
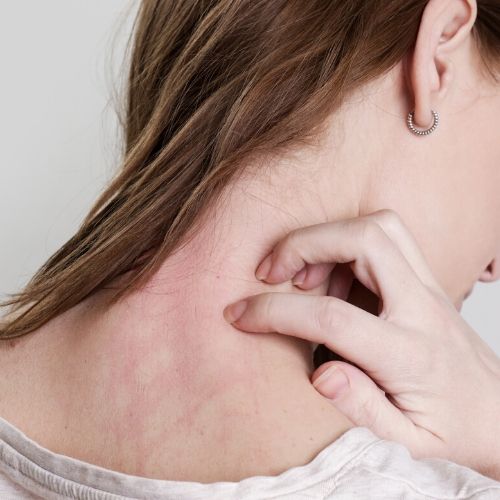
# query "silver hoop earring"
(433, 127)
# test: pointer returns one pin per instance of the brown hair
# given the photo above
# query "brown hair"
(212, 82)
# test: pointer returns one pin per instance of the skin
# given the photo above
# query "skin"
(446, 186)
(163, 366)
(441, 379)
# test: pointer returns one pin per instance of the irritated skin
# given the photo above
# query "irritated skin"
(146, 391)
(161, 386)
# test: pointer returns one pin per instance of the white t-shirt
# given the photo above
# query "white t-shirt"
(358, 465)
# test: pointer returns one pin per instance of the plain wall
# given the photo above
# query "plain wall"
(59, 135)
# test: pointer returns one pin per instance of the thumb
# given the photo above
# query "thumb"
(357, 396)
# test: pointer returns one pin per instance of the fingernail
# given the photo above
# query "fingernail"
(332, 383)
(300, 277)
(234, 311)
(264, 268)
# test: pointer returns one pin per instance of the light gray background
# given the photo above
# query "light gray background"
(59, 135)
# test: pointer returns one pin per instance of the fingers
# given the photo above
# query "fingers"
(376, 261)
(381, 234)
(399, 233)
(346, 329)
(356, 395)
(312, 275)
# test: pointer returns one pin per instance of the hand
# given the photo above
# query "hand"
(423, 376)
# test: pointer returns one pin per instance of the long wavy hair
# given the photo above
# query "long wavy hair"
(211, 83)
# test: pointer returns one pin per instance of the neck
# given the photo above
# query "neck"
(180, 308)
(248, 392)
(169, 369)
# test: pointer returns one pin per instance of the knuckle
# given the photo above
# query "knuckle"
(388, 214)
(292, 239)
(389, 220)
(371, 233)
(327, 315)
(367, 411)
(287, 250)
(265, 307)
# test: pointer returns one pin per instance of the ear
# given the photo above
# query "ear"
(444, 27)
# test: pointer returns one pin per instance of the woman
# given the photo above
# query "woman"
(247, 120)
